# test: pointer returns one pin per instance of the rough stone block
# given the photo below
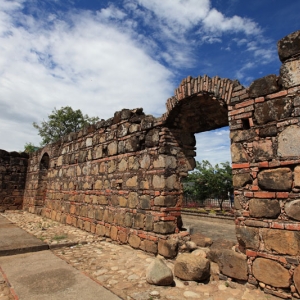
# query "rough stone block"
(290, 73)
(296, 278)
(168, 248)
(292, 209)
(242, 135)
(263, 86)
(289, 142)
(122, 236)
(134, 241)
(100, 230)
(264, 208)
(138, 221)
(248, 237)
(190, 267)
(263, 150)
(158, 273)
(271, 272)
(240, 180)
(289, 46)
(114, 233)
(159, 182)
(145, 202)
(281, 241)
(168, 201)
(268, 131)
(133, 200)
(275, 179)
(232, 264)
(149, 223)
(238, 153)
(149, 246)
(164, 227)
(273, 110)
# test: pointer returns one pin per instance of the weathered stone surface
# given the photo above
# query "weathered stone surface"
(201, 240)
(149, 246)
(268, 131)
(275, 179)
(133, 200)
(263, 86)
(232, 264)
(238, 153)
(264, 208)
(297, 176)
(237, 202)
(191, 267)
(263, 150)
(145, 202)
(242, 135)
(271, 272)
(289, 142)
(164, 227)
(240, 180)
(296, 278)
(281, 241)
(168, 201)
(159, 182)
(158, 273)
(221, 244)
(134, 241)
(248, 237)
(168, 248)
(273, 110)
(138, 221)
(292, 209)
(290, 73)
(289, 46)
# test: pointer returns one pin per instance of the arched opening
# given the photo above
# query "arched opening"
(199, 105)
(42, 181)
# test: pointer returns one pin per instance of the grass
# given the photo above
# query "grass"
(59, 237)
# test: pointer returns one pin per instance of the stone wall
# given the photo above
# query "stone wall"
(119, 178)
(122, 177)
(13, 167)
(265, 134)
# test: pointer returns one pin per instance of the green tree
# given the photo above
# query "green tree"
(29, 148)
(207, 181)
(62, 122)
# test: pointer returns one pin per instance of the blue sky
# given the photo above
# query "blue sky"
(102, 56)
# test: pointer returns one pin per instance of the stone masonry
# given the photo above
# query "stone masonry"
(13, 168)
(121, 178)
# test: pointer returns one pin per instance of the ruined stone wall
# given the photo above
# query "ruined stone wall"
(13, 167)
(265, 135)
(119, 178)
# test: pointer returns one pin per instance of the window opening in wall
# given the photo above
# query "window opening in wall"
(246, 123)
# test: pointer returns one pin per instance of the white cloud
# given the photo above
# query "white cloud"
(79, 61)
(213, 146)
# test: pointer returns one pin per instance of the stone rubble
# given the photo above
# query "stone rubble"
(121, 268)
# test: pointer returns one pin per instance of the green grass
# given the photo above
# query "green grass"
(59, 237)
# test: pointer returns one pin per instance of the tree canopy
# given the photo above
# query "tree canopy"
(29, 148)
(207, 181)
(62, 122)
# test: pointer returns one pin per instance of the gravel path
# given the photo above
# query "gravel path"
(120, 268)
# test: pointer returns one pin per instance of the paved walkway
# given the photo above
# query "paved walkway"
(119, 268)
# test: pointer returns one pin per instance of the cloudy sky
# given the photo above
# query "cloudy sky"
(101, 56)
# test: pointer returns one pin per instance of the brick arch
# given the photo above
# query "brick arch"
(199, 104)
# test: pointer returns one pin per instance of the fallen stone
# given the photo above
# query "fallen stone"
(190, 294)
(232, 264)
(201, 240)
(265, 269)
(158, 273)
(191, 267)
(221, 244)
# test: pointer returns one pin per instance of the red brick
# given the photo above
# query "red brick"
(277, 95)
(251, 253)
(245, 103)
(248, 194)
(168, 218)
(289, 162)
(264, 195)
(274, 163)
(240, 166)
(277, 225)
(263, 164)
(282, 195)
(236, 112)
(246, 213)
(254, 188)
(259, 99)
(292, 226)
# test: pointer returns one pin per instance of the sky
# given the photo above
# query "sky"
(102, 56)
